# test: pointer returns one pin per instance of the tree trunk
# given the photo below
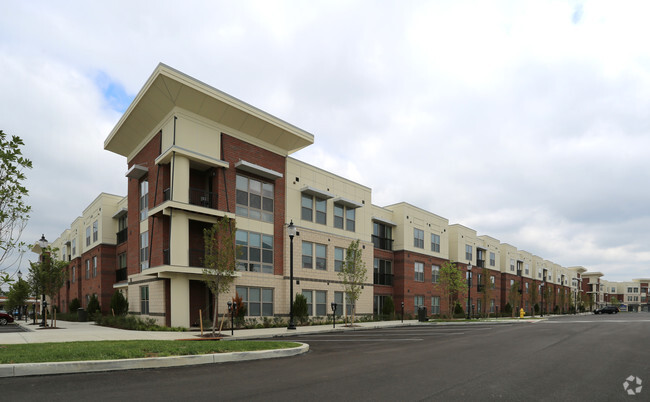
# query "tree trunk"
(215, 315)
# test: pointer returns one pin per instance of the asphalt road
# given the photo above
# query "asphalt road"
(565, 358)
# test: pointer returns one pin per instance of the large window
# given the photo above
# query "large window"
(383, 272)
(309, 205)
(418, 238)
(309, 250)
(255, 199)
(339, 258)
(435, 273)
(382, 236)
(144, 299)
(419, 271)
(338, 299)
(468, 252)
(418, 301)
(316, 302)
(144, 250)
(255, 252)
(88, 236)
(493, 259)
(258, 301)
(512, 265)
(435, 242)
(435, 304)
(95, 231)
(344, 215)
(144, 199)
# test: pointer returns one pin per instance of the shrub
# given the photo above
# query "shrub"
(119, 305)
(133, 323)
(389, 308)
(300, 308)
(507, 310)
(74, 305)
(458, 311)
(93, 306)
(536, 308)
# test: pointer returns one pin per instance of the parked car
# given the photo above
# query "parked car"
(607, 309)
(5, 318)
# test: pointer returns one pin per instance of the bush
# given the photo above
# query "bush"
(133, 323)
(93, 306)
(507, 310)
(119, 305)
(300, 308)
(389, 308)
(458, 311)
(74, 305)
(536, 307)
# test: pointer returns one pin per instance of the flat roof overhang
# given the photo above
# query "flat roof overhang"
(168, 88)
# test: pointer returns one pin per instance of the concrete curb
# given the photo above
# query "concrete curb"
(31, 369)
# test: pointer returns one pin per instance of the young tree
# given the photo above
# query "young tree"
(615, 301)
(534, 294)
(48, 275)
(452, 284)
(119, 304)
(220, 260)
(18, 293)
(353, 274)
(14, 211)
(513, 296)
(486, 287)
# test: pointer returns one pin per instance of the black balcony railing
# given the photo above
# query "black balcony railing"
(480, 287)
(167, 194)
(382, 243)
(196, 257)
(383, 279)
(203, 198)
(480, 263)
(122, 236)
(120, 275)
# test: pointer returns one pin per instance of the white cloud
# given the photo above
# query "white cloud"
(526, 121)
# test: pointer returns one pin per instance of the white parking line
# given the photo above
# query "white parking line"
(358, 340)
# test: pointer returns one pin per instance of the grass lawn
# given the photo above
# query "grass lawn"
(107, 350)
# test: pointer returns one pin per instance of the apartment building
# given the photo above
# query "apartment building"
(195, 155)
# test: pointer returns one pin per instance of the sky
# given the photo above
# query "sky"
(527, 121)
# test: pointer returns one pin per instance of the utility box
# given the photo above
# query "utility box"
(82, 315)
(422, 314)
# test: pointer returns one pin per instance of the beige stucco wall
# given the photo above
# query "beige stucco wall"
(491, 245)
(156, 298)
(408, 217)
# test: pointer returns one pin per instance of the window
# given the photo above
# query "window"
(144, 299)
(435, 243)
(468, 252)
(338, 299)
(512, 265)
(435, 304)
(144, 199)
(419, 272)
(348, 305)
(87, 269)
(121, 260)
(95, 231)
(74, 246)
(435, 273)
(526, 268)
(307, 211)
(636, 290)
(492, 304)
(74, 274)
(88, 236)
(144, 250)
(255, 199)
(492, 281)
(309, 300)
(258, 301)
(383, 272)
(512, 282)
(94, 266)
(629, 290)
(343, 214)
(418, 301)
(418, 238)
(493, 259)
(308, 255)
(527, 287)
(478, 305)
(539, 273)
(382, 236)
(255, 252)
(339, 258)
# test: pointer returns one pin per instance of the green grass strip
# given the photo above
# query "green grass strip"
(108, 350)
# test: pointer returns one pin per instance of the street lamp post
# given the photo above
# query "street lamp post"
(402, 312)
(469, 290)
(43, 243)
(20, 277)
(291, 230)
(333, 314)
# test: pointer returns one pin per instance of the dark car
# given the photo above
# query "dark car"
(606, 309)
(5, 318)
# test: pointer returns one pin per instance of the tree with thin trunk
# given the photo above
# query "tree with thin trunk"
(14, 211)
(219, 261)
(534, 294)
(486, 287)
(615, 301)
(48, 275)
(452, 284)
(353, 274)
(513, 295)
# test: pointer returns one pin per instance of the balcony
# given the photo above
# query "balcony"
(383, 279)
(480, 263)
(382, 243)
(120, 275)
(203, 198)
(196, 257)
(122, 236)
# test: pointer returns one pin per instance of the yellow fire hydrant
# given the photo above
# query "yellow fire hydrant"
(521, 313)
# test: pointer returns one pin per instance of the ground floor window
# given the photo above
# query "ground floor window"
(435, 304)
(144, 299)
(316, 302)
(418, 301)
(478, 305)
(258, 301)
(492, 306)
